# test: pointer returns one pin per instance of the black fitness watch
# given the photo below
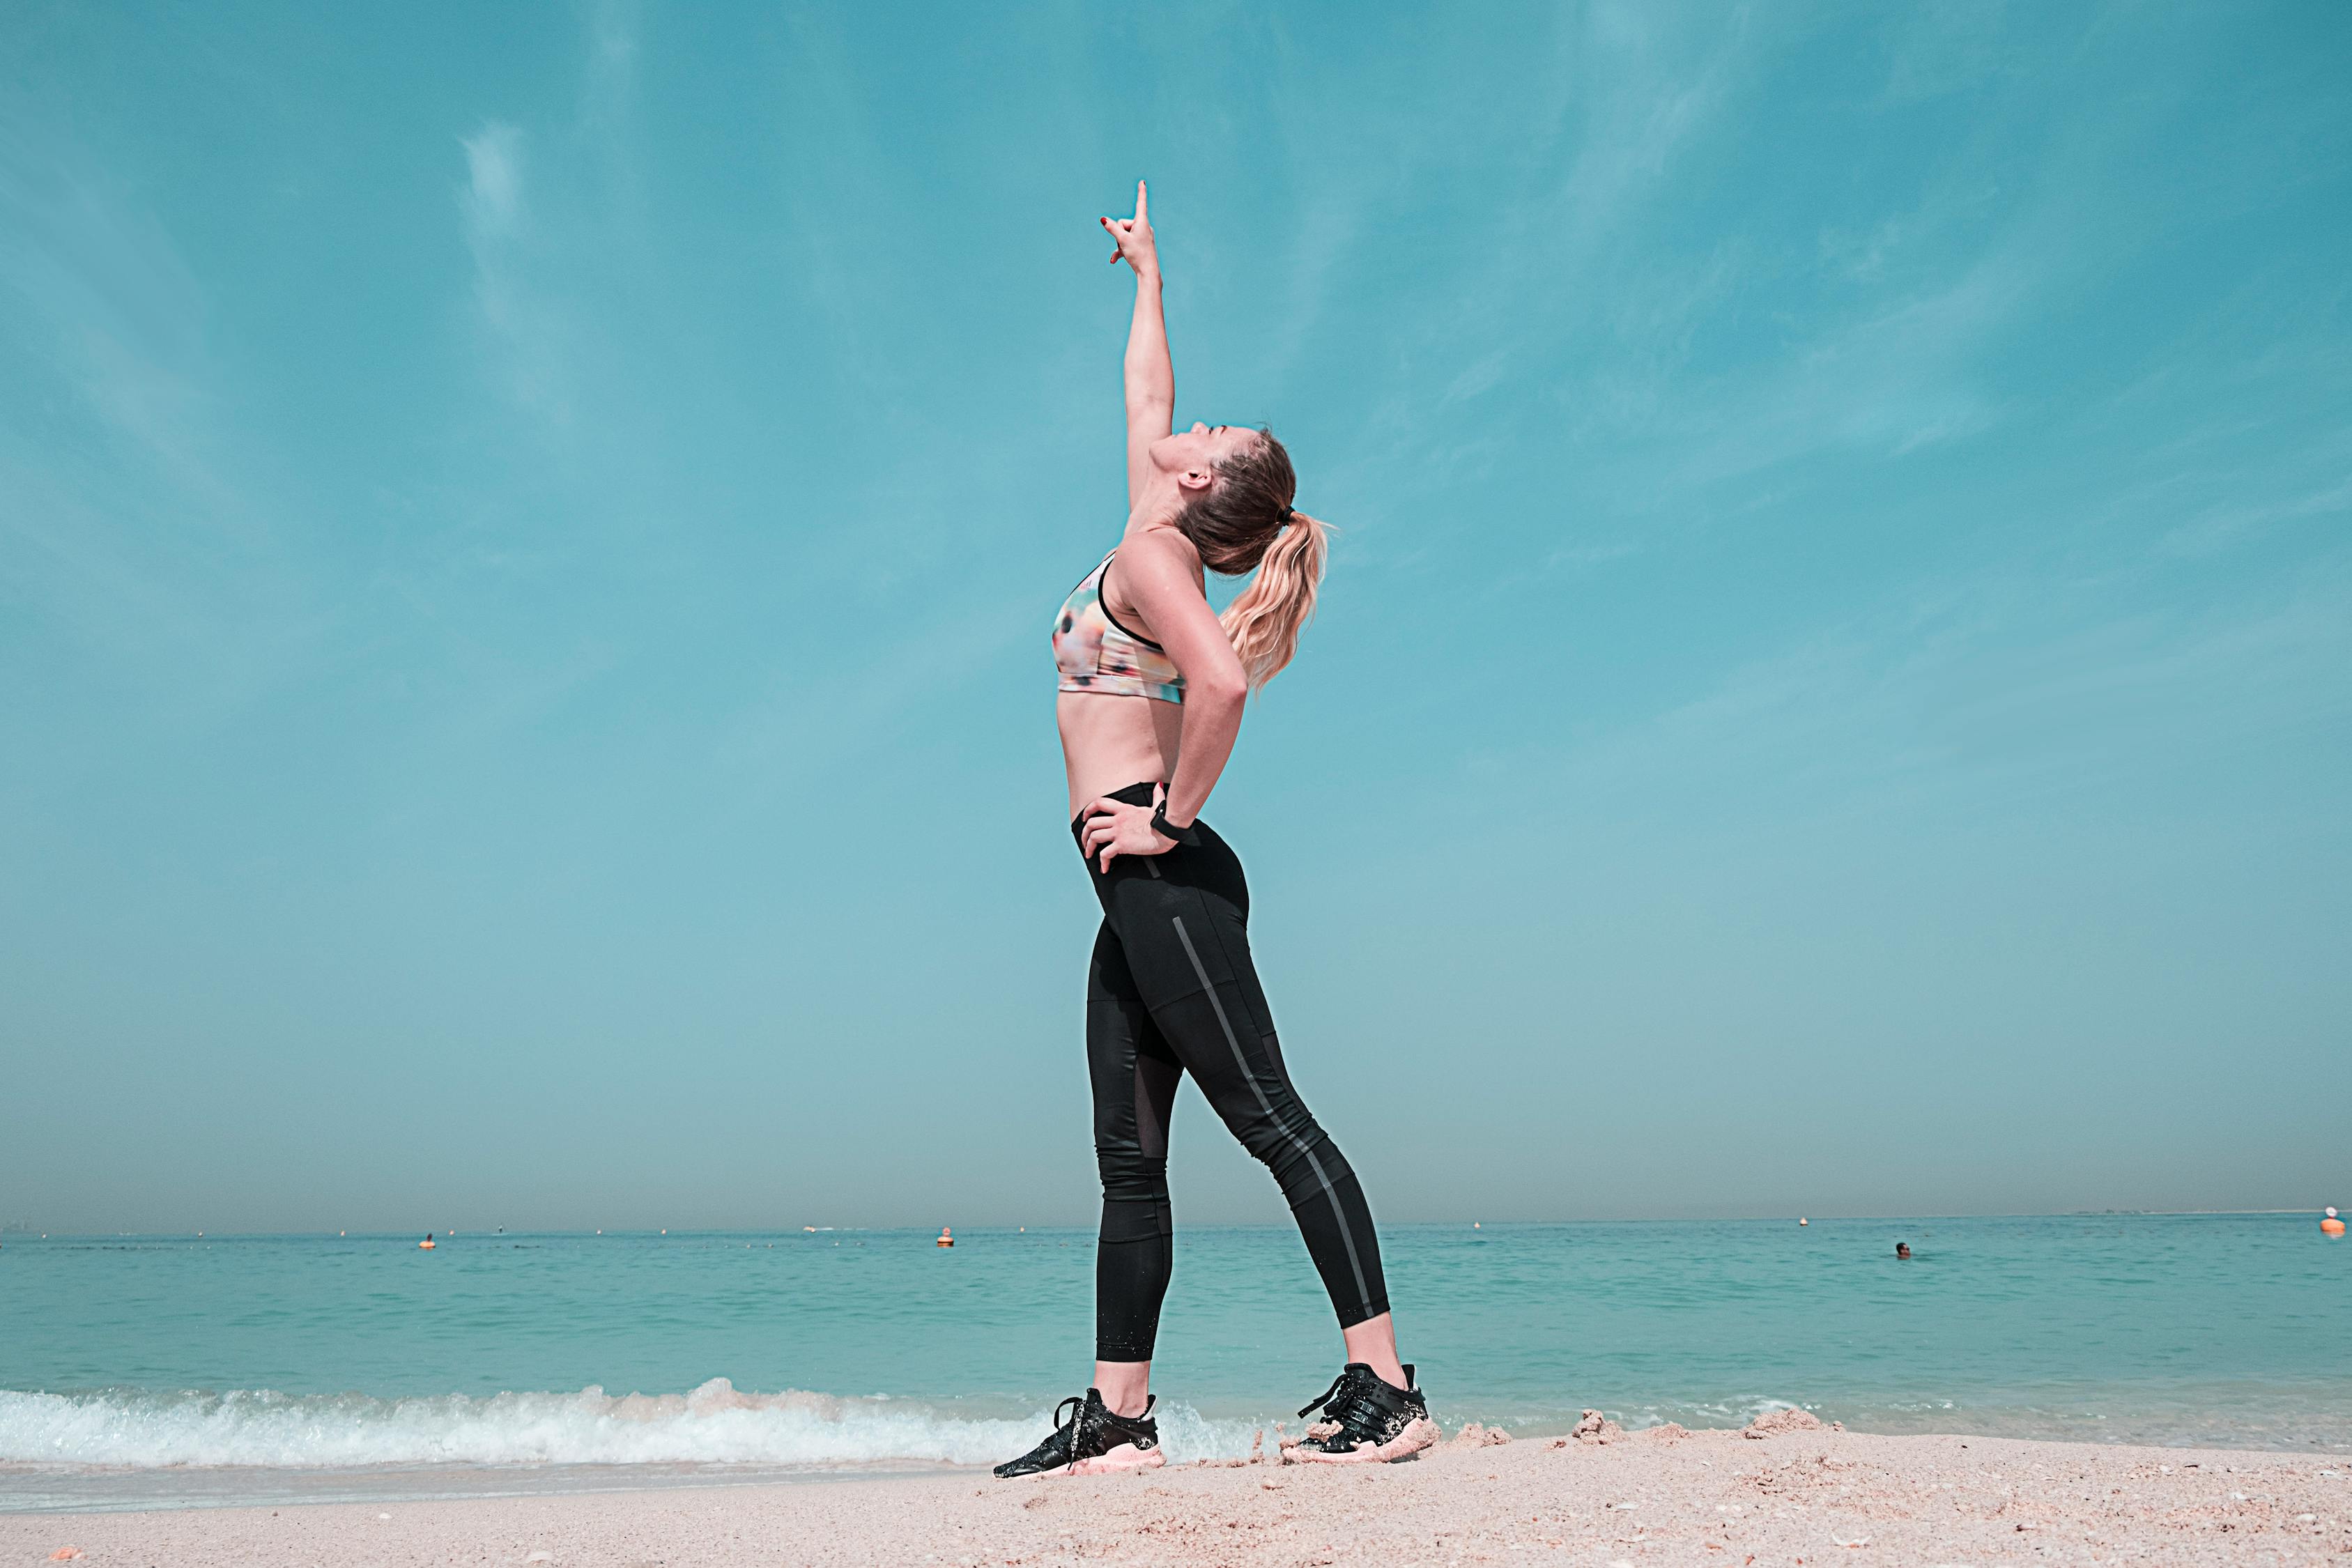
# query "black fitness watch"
(1167, 829)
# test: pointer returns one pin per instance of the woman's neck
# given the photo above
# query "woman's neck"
(1160, 505)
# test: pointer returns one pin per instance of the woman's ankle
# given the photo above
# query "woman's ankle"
(1125, 1386)
(1373, 1343)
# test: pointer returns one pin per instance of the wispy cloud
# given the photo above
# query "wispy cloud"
(1582, 556)
(2217, 528)
(1998, 690)
(493, 196)
(107, 303)
(1644, 92)
(128, 525)
(611, 78)
(1892, 382)
(528, 332)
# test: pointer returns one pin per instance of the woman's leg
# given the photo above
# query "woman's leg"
(1181, 922)
(1135, 1077)
(1108, 1430)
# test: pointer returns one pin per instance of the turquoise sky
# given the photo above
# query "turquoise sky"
(526, 539)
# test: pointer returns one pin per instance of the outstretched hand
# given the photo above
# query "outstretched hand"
(1136, 245)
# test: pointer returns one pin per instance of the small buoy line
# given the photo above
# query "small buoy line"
(433, 1239)
(2331, 1226)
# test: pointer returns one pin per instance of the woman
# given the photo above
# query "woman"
(1152, 686)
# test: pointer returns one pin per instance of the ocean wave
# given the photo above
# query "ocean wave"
(715, 1423)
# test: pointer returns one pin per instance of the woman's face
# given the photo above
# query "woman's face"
(1201, 449)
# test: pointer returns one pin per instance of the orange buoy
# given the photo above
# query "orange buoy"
(2331, 1226)
(426, 1245)
(946, 1239)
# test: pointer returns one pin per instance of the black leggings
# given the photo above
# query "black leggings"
(1171, 991)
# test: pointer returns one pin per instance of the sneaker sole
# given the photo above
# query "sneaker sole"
(1119, 1461)
(1416, 1436)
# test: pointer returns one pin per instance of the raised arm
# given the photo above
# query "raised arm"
(1150, 378)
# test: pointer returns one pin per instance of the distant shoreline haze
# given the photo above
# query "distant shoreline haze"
(924, 1229)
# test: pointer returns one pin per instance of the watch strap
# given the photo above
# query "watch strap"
(1169, 830)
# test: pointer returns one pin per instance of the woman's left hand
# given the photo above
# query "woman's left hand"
(1137, 247)
(1115, 828)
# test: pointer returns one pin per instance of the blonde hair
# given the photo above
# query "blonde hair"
(1245, 522)
(1265, 621)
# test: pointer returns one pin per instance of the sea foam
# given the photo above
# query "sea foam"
(715, 1423)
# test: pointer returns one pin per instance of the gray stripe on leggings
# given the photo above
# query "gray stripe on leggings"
(1363, 1296)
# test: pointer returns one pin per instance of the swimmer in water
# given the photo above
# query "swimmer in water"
(1152, 685)
(1902, 1250)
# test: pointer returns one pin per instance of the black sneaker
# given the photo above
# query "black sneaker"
(1366, 1421)
(1088, 1440)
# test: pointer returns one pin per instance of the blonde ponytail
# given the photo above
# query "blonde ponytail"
(1265, 621)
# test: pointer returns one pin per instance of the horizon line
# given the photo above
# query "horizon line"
(19, 1232)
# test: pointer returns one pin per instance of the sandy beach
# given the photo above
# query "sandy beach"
(1816, 1495)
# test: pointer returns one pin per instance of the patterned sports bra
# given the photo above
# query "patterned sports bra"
(1096, 654)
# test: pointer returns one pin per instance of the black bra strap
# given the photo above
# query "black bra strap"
(1102, 598)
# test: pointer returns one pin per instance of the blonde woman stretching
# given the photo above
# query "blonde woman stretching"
(1153, 687)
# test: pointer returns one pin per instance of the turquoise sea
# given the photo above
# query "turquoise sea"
(156, 1369)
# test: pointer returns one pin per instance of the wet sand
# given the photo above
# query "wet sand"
(1819, 1497)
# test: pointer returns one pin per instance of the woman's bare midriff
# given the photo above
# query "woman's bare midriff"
(1110, 743)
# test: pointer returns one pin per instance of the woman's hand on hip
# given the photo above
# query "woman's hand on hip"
(1115, 828)
(1136, 245)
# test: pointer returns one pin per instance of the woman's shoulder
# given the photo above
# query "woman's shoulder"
(1158, 558)
(1160, 545)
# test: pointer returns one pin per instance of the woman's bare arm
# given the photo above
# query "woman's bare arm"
(1150, 378)
(1160, 574)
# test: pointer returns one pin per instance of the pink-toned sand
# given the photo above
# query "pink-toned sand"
(1813, 1496)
